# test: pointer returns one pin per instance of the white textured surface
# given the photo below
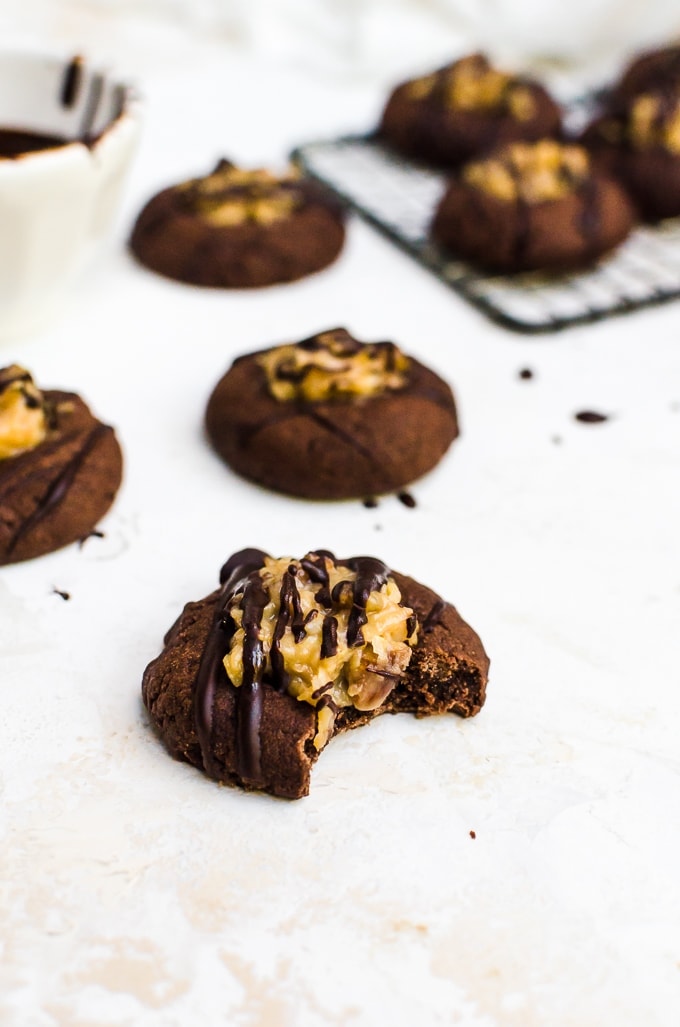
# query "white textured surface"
(134, 891)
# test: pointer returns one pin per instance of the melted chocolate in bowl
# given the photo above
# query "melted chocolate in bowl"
(15, 143)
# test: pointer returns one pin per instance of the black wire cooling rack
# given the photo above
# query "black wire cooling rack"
(399, 198)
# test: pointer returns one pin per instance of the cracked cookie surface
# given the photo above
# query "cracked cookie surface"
(354, 419)
(533, 207)
(239, 228)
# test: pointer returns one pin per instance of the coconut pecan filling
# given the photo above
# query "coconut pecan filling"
(330, 634)
(333, 365)
(471, 84)
(235, 196)
(655, 121)
(531, 172)
(23, 412)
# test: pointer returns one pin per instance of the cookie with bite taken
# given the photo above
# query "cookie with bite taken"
(533, 207)
(256, 678)
(331, 417)
(237, 228)
(465, 109)
(60, 468)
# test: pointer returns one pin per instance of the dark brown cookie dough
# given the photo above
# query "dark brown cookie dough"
(255, 734)
(652, 71)
(533, 207)
(465, 109)
(339, 446)
(60, 468)
(236, 229)
(636, 135)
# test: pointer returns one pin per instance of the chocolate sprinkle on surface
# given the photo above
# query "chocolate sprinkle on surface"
(526, 373)
(407, 499)
(590, 417)
(473, 834)
(64, 595)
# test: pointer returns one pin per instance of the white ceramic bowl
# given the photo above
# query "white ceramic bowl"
(57, 204)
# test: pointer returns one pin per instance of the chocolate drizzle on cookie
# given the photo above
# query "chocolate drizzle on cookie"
(246, 588)
(60, 486)
(211, 672)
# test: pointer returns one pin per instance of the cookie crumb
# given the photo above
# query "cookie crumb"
(407, 499)
(64, 595)
(473, 834)
(370, 502)
(590, 417)
(526, 373)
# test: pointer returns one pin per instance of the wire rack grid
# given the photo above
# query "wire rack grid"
(400, 198)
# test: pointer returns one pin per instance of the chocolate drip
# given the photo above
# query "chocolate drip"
(211, 673)
(239, 566)
(71, 82)
(434, 616)
(523, 214)
(329, 637)
(249, 695)
(346, 436)
(60, 486)
(317, 572)
(12, 375)
(371, 575)
(413, 387)
(242, 583)
(590, 214)
(290, 613)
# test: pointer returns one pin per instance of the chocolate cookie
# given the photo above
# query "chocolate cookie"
(236, 229)
(463, 110)
(256, 678)
(652, 71)
(60, 468)
(636, 137)
(533, 207)
(331, 417)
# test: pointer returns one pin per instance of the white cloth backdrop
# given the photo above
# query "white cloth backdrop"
(379, 39)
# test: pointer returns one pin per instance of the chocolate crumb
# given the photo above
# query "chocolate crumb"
(473, 834)
(64, 595)
(407, 499)
(590, 417)
(370, 502)
(526, 373)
